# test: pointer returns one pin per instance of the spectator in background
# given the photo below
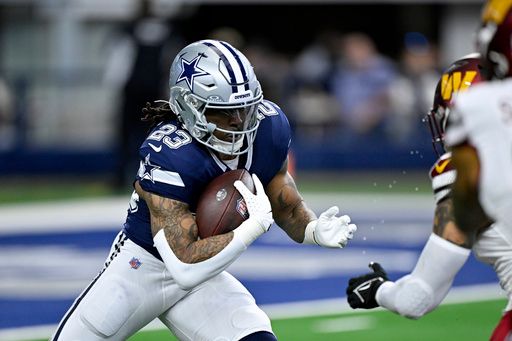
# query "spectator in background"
(230, 35)
(138, 66)
(314, 111)
(7, 131)
(411, 92)
(272, 67)
(361, 85)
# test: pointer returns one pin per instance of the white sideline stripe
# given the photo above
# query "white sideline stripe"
(110, 213)
(27, 333)
(90, 214)
(475, 293)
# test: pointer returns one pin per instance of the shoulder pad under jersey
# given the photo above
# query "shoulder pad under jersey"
(174, 165)
(443, 176)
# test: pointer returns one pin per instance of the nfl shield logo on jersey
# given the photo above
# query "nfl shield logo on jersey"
(241, 207)
(135, 263)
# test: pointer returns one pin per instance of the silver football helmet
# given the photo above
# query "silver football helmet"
(212, 75)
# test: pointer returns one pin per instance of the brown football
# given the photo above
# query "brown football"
(221, 208)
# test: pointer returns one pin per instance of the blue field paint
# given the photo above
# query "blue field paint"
(30, 311)
(80, 239)
(26, 312)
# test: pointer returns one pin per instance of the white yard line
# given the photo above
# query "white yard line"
(64, 216)
(343, 324)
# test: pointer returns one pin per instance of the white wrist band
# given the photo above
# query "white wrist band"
(248, 231)
(309, 233)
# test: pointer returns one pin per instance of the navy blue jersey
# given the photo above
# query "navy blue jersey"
(174, 165)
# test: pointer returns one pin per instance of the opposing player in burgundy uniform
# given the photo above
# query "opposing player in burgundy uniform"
(448, 247)
(480, 135)
(216, 120)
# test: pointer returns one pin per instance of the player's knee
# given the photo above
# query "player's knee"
(107, 310)
(260, 336)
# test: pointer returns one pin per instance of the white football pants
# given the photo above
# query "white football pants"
(134, 288)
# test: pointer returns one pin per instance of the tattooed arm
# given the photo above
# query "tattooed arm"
(445, 227)
(289, 209)
(468, 213)
(299, 222)
(179, 226)
(189, 260)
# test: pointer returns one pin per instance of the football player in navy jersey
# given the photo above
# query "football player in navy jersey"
(215, 120)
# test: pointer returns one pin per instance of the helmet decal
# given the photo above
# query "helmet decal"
(234, 66)
(455, 82)
(239, 62)
(458, 77)
(209, 77)
(496, 10)
(493, 39)
(189, 70)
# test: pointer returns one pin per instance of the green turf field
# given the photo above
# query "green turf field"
(468, 321)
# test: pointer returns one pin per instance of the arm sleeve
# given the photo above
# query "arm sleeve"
(418, 293)
(188, 275)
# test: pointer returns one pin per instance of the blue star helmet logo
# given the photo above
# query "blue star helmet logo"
(189, 70)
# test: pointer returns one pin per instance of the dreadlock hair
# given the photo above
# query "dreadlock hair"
(155, 114)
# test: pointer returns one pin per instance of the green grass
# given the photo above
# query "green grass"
(466, 321)
(384, 182)
(51, 189)
(469, 321)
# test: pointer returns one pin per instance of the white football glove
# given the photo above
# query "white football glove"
(260, 211)
(329, 230)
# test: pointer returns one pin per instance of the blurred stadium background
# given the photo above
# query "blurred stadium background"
(355, 79)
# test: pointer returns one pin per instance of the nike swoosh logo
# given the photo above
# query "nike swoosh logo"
(159, 148)
(439, 167)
